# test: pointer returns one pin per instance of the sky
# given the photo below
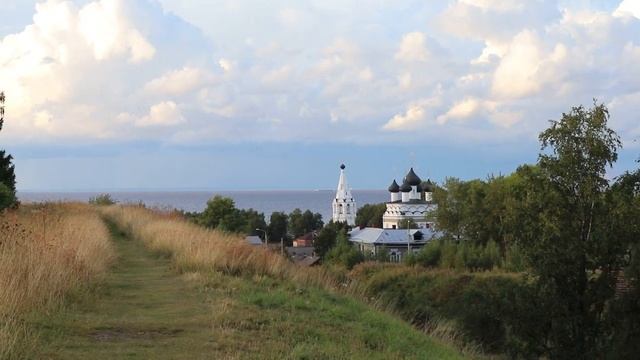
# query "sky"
(240, 95)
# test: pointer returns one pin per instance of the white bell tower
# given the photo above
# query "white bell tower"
(344, 206)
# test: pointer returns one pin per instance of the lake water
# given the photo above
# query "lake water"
(263, 201)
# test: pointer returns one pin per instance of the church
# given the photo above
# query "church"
(410, 203)
(405, 224)
(343, 205)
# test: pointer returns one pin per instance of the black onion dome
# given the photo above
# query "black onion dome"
(427, 186)
(419, 187)
(394, 187)
(405, 187)
(412, 179)
(342, 167)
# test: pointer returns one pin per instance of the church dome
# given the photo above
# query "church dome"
(394, 187)
(405, 187)
(412, 179)
(342, 167)
(427, 186)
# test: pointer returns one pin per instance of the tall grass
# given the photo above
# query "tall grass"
(45, 251)
(195, 248)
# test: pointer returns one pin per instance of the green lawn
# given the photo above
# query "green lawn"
(144, 310)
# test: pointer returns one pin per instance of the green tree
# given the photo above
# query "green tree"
(253, 220)
(7, 170)
(344, 253)
(102, 200)
(370, 215)
(327, 237)
(565, 202)
(218, 208)
(7, 197)
(278, 225)
(301, 223)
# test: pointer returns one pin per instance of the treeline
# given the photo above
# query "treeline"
(222, 214)
(573, 233)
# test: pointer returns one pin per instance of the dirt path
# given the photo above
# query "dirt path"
(143, 310)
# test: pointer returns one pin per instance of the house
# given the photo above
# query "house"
(254, 240)
(397, 242)
(298, 252)
(305, 240)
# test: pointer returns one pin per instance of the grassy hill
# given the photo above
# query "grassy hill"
(164, 298)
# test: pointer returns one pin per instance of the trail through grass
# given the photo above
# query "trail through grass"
(145, 310)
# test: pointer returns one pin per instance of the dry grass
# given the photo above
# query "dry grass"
(195, 248)
(45, 251)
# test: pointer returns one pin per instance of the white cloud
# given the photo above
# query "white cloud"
(108, 69)
(178, 82)
(628, 8)
(417, 114)
(162, 114)
(413, 47)
(226, 65)
(461, 110)
(104, 27)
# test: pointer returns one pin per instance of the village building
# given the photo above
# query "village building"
(343, 205)
(254, 240)
(395, 242)
(410, 203)
(409, 206)
(305, 240)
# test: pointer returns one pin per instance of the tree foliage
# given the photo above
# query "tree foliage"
(573, 231)
(278, 227)
(568, 232)
(328, 237)
(344, 253)
(301, 223)
(7, 170)
(222, 214)
(102, 200)
(370, 215)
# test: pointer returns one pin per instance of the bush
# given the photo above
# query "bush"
(102, 200)
(487, 307)
(344, 254)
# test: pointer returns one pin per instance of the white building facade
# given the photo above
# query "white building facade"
(410, 203)
(343, 205)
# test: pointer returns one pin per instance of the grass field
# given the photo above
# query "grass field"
(151, 307)
(47, 254)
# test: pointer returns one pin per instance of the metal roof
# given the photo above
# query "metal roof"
(254, 240)
(390, 236)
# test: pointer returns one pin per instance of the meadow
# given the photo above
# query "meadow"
(48, 253)
(102, 282)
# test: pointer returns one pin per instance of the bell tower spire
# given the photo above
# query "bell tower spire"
(344, 206)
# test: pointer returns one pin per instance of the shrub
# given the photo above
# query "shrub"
(482, 305)
(344, 253)
(102, 200)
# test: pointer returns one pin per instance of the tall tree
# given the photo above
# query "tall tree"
(301, 223)
(278, 225)
(7, 170)
(253, 220)
(218, 208)
(565, 202)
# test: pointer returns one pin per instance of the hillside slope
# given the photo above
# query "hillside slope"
(146, 309)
